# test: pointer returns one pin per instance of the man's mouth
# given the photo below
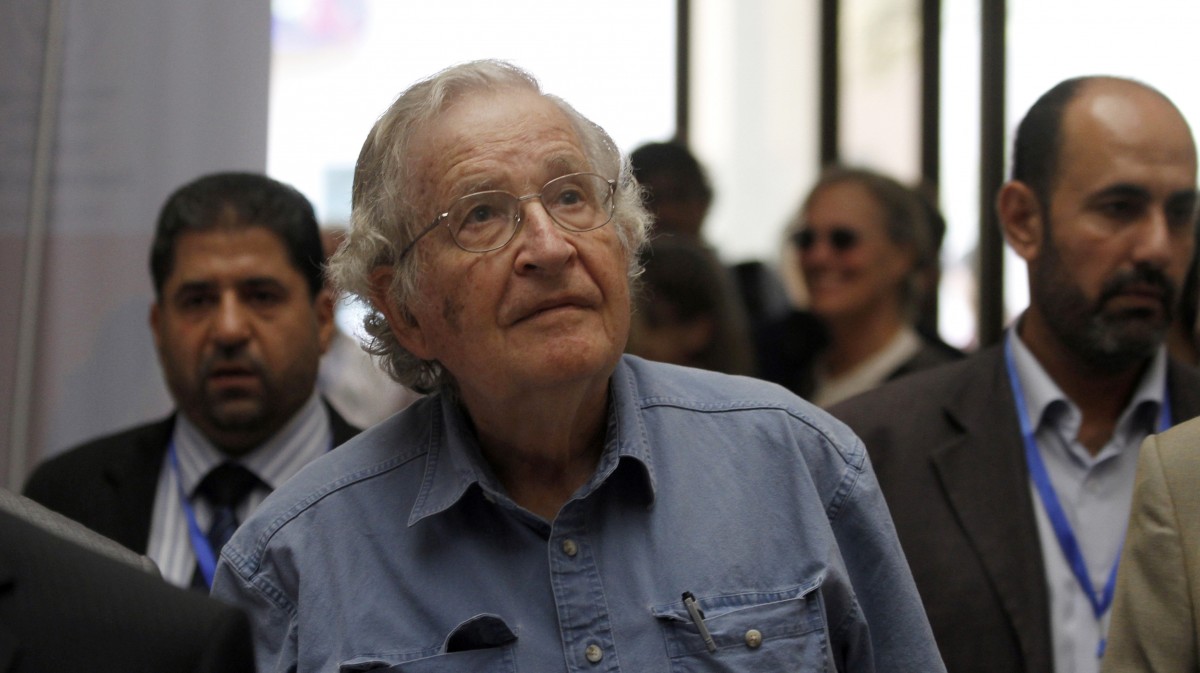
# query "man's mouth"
(550, 307)
(232, 376)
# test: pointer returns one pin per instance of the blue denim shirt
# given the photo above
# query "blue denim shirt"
(400, 551)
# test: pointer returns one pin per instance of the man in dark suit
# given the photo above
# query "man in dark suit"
(240, 320)
(70, 600)
(1009, 474)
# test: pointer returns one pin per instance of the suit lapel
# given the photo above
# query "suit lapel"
(133, 478)
(983, 472)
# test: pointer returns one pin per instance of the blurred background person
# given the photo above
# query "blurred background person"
(240, 319)
(865, 244)
(349, 377)
(679, 194)
(687, 312)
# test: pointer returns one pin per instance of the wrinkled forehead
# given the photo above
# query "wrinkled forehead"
(510, 139)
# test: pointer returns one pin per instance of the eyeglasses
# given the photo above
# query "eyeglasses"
(841, 239)
(486, 221)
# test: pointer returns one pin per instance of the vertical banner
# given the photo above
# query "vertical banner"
(150, 94)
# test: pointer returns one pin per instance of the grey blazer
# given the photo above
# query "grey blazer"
(53, 522)
(946, 447)
(67, 604)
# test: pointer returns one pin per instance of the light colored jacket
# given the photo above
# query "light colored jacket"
(1154, 624)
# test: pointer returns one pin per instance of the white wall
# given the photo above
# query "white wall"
(152, 93)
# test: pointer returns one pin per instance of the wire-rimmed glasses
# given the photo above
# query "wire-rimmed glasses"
(489, 220)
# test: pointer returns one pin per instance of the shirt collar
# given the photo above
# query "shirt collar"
(1043, 396)
(455, 462)
(303, 438)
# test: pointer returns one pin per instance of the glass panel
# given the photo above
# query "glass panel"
(880, 110)
(337, 64)
(754, 118)
(959, 193)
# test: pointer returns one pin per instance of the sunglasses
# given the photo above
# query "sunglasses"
(840, 239)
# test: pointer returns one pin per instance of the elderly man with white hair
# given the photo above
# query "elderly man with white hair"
(554, 504)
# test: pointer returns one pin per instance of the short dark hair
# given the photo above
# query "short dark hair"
(239, 200)
(1038, 141)
(671, 157)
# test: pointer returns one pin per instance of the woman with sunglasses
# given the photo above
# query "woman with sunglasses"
(864, 245)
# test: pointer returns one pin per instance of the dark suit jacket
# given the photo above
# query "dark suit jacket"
(108, 484)
(947, 449)
(66, 607)
(788, 348)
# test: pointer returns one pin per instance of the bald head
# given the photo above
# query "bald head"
(1111, 102)
(1101, 208)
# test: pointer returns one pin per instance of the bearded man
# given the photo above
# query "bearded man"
(1010, 474)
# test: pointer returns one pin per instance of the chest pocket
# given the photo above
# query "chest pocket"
(482, 644)
(773, 631)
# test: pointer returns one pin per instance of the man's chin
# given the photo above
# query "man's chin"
(1126, 342)
(237, 416)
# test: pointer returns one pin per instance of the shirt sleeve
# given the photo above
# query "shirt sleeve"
(893, 633)
(272, 622)
(1152, 622)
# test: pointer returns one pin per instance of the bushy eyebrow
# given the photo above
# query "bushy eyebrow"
(252, 283)
(1191, 195)
(553, 166)
(1122, 190)
(562, 165)
(260, 283)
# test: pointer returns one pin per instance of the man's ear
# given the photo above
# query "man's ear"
(402, 323)
(1021, 218)
(323, 308)
(156, 324)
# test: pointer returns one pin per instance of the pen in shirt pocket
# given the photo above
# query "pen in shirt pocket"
(697, 615)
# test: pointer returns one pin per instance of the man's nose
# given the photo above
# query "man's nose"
(1156, 243)
(541, 243)
(231, 325)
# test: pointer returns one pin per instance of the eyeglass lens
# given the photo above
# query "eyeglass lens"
(487, 220)
(840, 239)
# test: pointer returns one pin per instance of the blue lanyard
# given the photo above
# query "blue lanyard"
(1058, 518)
(206, 558)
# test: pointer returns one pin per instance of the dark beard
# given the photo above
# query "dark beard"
(1108, 342)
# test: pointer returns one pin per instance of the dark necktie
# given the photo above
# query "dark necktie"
(224, 488)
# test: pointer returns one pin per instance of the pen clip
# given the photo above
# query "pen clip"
(697, 615)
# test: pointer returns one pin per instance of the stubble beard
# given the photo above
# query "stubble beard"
(1107, 341)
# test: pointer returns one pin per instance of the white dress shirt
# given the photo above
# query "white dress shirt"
(305, 437)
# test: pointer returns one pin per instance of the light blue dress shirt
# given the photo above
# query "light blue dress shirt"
(1096, 493)
(400, 551)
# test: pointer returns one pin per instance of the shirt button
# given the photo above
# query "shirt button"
(753, 639)
(593, 653)
(570, 548)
